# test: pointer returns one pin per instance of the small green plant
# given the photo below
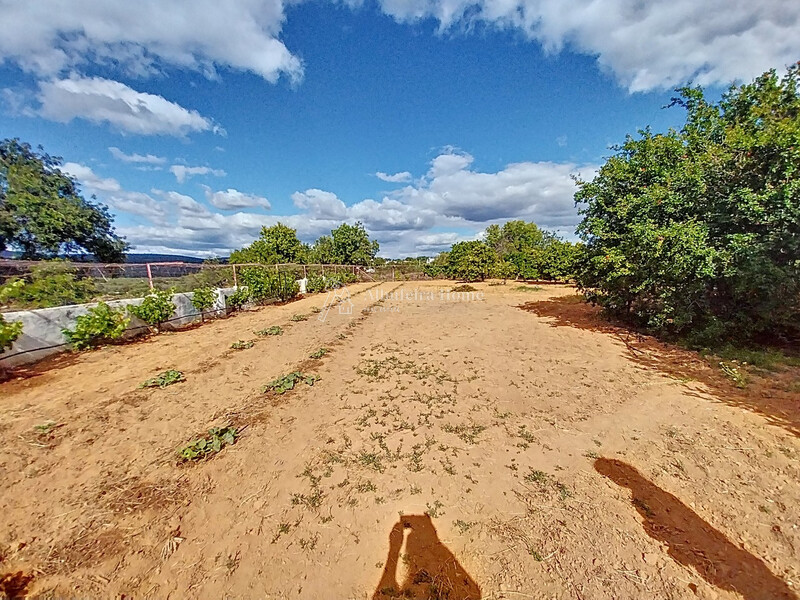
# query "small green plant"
(238, 299)
(734, 373)
(299, 318)
(288, 382)
(156, 308)
(536, 476)
(242, 344)
(216, 440)
(274, 330)
(164, 379)
(203, 298)
(9, 332)
(46, 428)
(319, 353)
(528, 288)
(102, 324)
(316, 310)
(434, 510)
(464, 288)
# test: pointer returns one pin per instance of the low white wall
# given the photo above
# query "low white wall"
(42, 328)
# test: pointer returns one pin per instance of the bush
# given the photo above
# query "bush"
(203, 298)
(9, 332)
(315, 283)
(471, 261)
(238, 298)
(696, 233)
(265, 285)
(156, 308)
(52, 283)
(101, 325)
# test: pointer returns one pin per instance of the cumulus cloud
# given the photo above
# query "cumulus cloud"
(47, 37)
(183, 172)
(105, 101)
(646, 45)
(320, 204)
(401, 177)
(232, 199)
(146, 159)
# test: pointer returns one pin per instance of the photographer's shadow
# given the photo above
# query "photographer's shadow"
(430, 569)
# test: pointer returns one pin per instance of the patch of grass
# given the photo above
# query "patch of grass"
(464, 288)
(371, 460)
(288, 382)
(434, 510)
(312, 501)
(366, 486)
(216, 440)
(467, 433)
(316, 310)
(415, 489)
(45, 428)
(299, 318)
(528, 288)
(242, 345)
(462, 526)
(164, 379)
(525, 434)
(768, 359)
(274, 330)
(536, 476)
(319, 353)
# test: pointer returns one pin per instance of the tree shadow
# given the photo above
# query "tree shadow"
(772, 397)
(693, 542)
(431, 570)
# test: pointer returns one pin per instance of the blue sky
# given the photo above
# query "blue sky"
(427, 120)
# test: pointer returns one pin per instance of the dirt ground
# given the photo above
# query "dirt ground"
(506, 446)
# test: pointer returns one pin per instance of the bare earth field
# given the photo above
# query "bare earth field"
(514, 446)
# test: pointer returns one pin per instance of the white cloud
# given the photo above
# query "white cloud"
(232, 199)
(146, 159)
(319, 204)
(401, 177)
(186, 205)
(182, 172)
(646, 45)
(48, 37)
(105, 101)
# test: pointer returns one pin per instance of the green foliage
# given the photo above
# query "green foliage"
(347, 245)
(274, 330)
(287, 382)
(216, 440)
(264, 284)
(242, 345)
(315, 283)
(299, 318)
(52, 283)
(101, 325)
(238, 299)
(438, 267)
(164, 379)
(277, 244)
(471, 261)
(319, 353)
(203, 298)
(697, 233)
(42, 212)
(9, 332)
(156, 308)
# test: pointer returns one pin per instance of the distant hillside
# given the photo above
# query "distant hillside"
(131, 258)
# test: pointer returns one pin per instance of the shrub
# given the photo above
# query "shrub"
(9, 332)
(203, 298)
(263, 284)
(274, 330)
(315, 283)
(156, 308)
(238, 299)
(471, 261)
(287, 382)
(52, 283)
(696, 233)
(101, 325)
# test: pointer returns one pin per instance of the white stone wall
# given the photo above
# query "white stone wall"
(42, 328)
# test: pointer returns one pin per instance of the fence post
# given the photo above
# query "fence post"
(150, 276)
(235, 282)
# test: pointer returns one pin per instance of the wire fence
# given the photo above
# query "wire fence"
(117, 281)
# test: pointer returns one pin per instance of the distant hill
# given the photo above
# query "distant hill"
(131, 258)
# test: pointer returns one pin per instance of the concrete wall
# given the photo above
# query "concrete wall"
(42, 336)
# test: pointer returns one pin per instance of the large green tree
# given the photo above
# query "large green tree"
(472, 261)
(276, 244)
(697, 232)
(42, 213)
(347, 245)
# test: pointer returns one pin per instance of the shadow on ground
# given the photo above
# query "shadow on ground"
(691, 541)
(430, 569)
(771, 397)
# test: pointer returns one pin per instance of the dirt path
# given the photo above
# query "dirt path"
(451, 449)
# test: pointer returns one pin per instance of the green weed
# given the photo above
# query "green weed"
(164, 379)
(288, 382)
(274, 330)
(216, 440)
(242, 345)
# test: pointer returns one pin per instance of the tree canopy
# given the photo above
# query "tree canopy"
(42, 213)
(276, 244)
(697, 232)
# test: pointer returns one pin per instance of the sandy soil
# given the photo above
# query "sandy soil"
(514, 446)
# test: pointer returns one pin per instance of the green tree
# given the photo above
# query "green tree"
(352, 246)
(276, 244)
(697, 232)
(471, 261)
(50, 283)
(322, 252)
(42, 213)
